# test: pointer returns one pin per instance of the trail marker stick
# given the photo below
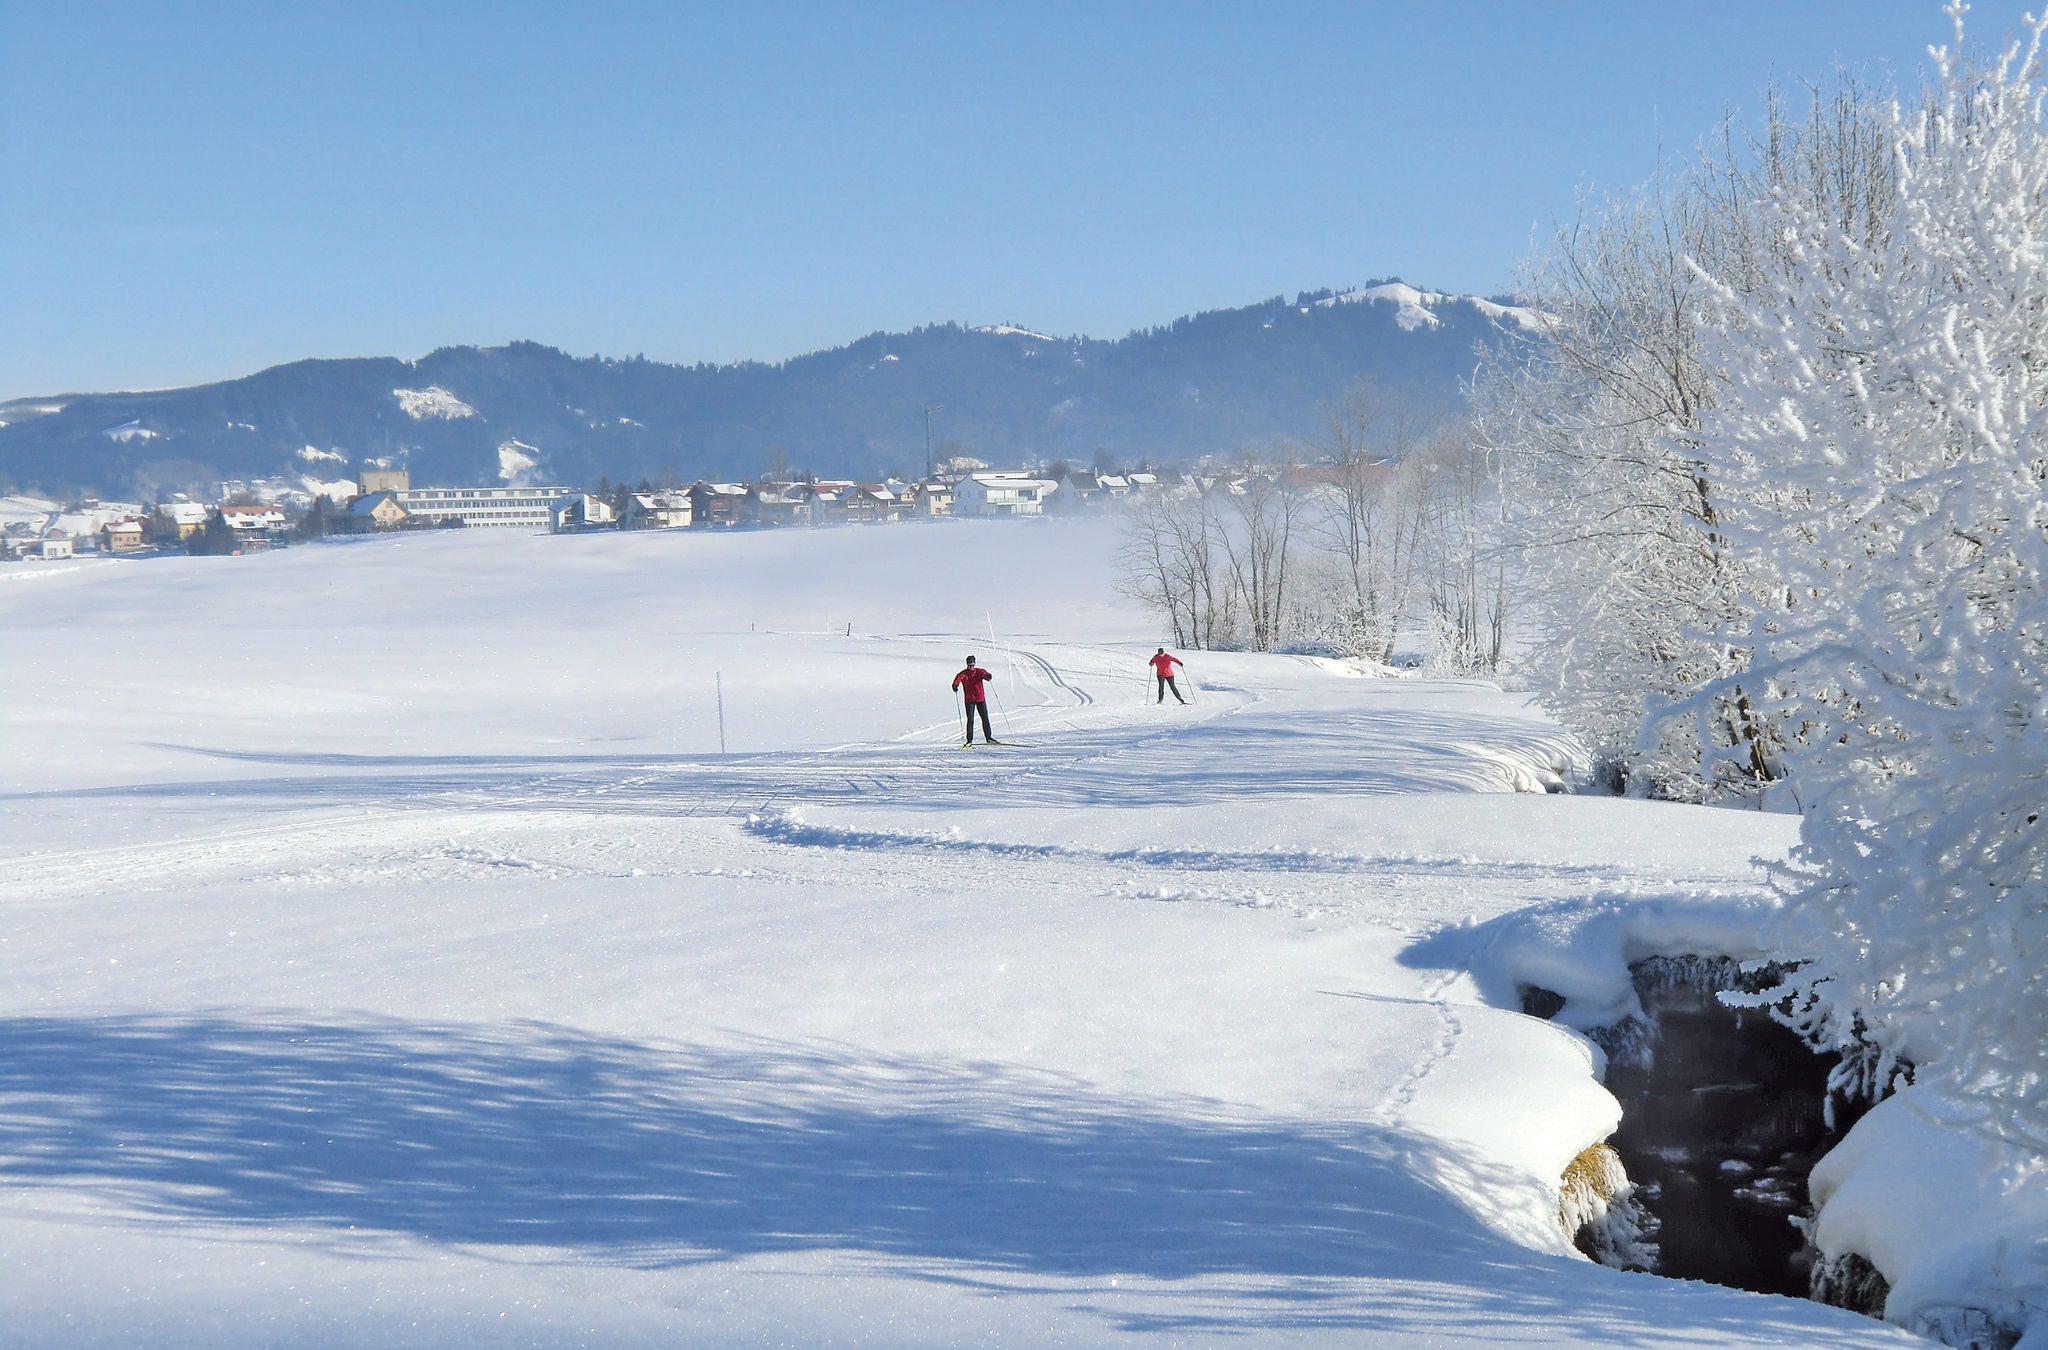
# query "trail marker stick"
(719, 678)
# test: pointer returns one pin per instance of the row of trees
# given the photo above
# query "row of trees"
(1386, 527)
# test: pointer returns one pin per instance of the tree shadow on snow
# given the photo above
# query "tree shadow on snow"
(534, 1136)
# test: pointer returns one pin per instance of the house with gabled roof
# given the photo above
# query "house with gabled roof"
(873, 503)
(378, 511)
(121, 536)
(657, 511)
(779, 504)
(717, 503)
(255, 520)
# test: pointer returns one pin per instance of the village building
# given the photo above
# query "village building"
(378, 511)
(255, 520)
(873, 503)
(1002, 494)
(530, 508)
(370, 482)
(657, 511)
(931, 498)
(121, 536)
(717, 503)
(581, 511)
(180, 520)
(779, 504)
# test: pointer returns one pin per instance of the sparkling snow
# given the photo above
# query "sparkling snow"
(391, 959)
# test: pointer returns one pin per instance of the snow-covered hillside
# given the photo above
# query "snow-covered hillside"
(1415, 309)
(389, 957)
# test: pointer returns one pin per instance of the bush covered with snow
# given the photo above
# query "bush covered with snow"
(1879, 426)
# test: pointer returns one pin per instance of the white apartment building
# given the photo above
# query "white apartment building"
(529, 508)
(1001, 494)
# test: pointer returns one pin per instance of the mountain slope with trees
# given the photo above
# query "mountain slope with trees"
(1204, 384)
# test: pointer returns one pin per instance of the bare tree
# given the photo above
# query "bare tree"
(1173, 558)
(1261, 514)
(1365, 521)
(1464, 572)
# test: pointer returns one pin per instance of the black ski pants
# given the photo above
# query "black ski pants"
(982, 708)
(1166, 683)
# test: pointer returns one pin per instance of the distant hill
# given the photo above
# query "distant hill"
(473, 415)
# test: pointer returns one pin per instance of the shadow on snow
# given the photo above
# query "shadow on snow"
(535, 1136)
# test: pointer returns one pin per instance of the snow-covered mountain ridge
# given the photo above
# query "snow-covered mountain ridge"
(1205, 383)
(1415, 309)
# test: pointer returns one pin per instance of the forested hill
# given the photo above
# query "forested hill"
(1212, 382)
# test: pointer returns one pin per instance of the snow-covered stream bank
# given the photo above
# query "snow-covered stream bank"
(388, 957)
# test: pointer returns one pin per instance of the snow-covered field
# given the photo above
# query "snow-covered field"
(389, 957)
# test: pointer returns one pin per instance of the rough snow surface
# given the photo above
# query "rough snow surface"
(313, 454)
(392, 959)
(432, 402)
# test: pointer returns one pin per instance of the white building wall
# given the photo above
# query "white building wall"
(511, 508)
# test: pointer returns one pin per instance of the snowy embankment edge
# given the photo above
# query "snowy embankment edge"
(1954, 1219)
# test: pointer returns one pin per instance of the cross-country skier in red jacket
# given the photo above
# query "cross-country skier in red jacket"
(969, 683)
(1162, 666)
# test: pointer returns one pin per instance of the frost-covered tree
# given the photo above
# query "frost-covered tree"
(1605, 491)
(1878, 429)
(1629, 587)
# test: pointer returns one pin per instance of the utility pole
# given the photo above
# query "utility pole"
(929, 409)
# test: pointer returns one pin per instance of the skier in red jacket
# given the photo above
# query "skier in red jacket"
(1162, 666)
(969, 683)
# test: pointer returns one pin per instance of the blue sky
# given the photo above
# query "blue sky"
(195, 191)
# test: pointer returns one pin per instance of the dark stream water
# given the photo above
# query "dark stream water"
(1723, 1117)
